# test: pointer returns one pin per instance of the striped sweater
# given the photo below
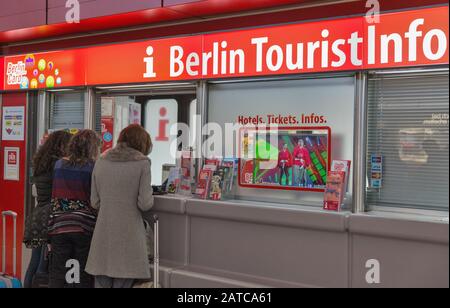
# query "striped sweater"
(72, 212)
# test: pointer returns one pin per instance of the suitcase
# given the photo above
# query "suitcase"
(9, 282)
(156, 254)
(155, 283)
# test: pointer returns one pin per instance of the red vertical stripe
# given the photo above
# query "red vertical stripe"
(12, 193)
(2, 73)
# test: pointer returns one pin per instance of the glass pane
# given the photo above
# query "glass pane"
(161, 122)
(117, 112)
(313, 103)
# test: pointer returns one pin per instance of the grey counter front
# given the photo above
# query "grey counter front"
(248, 244)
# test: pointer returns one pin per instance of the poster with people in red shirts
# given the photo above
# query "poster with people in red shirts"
(290, 158)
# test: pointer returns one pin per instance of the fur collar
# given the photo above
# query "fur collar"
(123, 153)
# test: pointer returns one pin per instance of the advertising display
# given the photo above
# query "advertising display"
(13, 123)
(344, 166)
(335, 191)
(376, 171)
(216, 179)
(11, 168)
(288, 158)
(204, 183)
(45, 70)
(401, 39)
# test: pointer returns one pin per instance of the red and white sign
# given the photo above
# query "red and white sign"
(402, 39)
(107, 133)
(12, 157)
(11, 164)
(161, 123)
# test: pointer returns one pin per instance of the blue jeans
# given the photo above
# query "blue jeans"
(37, 264)
(300, 176)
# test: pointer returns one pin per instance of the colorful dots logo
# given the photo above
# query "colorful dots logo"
(41, 73)
(41, 65)
(50, 83)
(24, 83)
(29, 61)
(34, 83)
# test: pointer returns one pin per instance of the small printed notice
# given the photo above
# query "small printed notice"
(107, 107)
(11, 164)
(376, 171)
(13, 127)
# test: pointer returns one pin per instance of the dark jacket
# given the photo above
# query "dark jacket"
(43, 185)
(36, 225)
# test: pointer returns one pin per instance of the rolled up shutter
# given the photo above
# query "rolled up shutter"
(408, 126)
(67, 111)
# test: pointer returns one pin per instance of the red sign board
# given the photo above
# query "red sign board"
(403, 39)
(2, 64)
(12, 157)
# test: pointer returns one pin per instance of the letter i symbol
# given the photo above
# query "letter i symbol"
(162, 125)
(149, 64)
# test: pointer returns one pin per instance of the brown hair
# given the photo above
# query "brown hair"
(136, 137)
(54, 148)
(84, 147)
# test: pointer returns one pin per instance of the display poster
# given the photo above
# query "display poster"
(376, 171)
(287, 158)
(107, 107)
(11, 164)
(135, 113)
(334, 191)
(107, 133)
(13, 124)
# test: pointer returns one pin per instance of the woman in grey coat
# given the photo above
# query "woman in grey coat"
(121, 191)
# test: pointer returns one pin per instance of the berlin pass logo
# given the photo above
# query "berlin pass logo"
(16, 73)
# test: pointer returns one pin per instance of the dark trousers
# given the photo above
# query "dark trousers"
(284, 171)
(103, 282)
(65, 247)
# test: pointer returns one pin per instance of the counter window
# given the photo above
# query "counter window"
(313, 118)
(160, 114)
(408, 141)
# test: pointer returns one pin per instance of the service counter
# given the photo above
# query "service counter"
(249, 244)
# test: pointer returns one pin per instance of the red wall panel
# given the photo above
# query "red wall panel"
(12, 193)
(96, 8)
(2, 73)
(21, 14)
(217, 7)
(195, 10)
